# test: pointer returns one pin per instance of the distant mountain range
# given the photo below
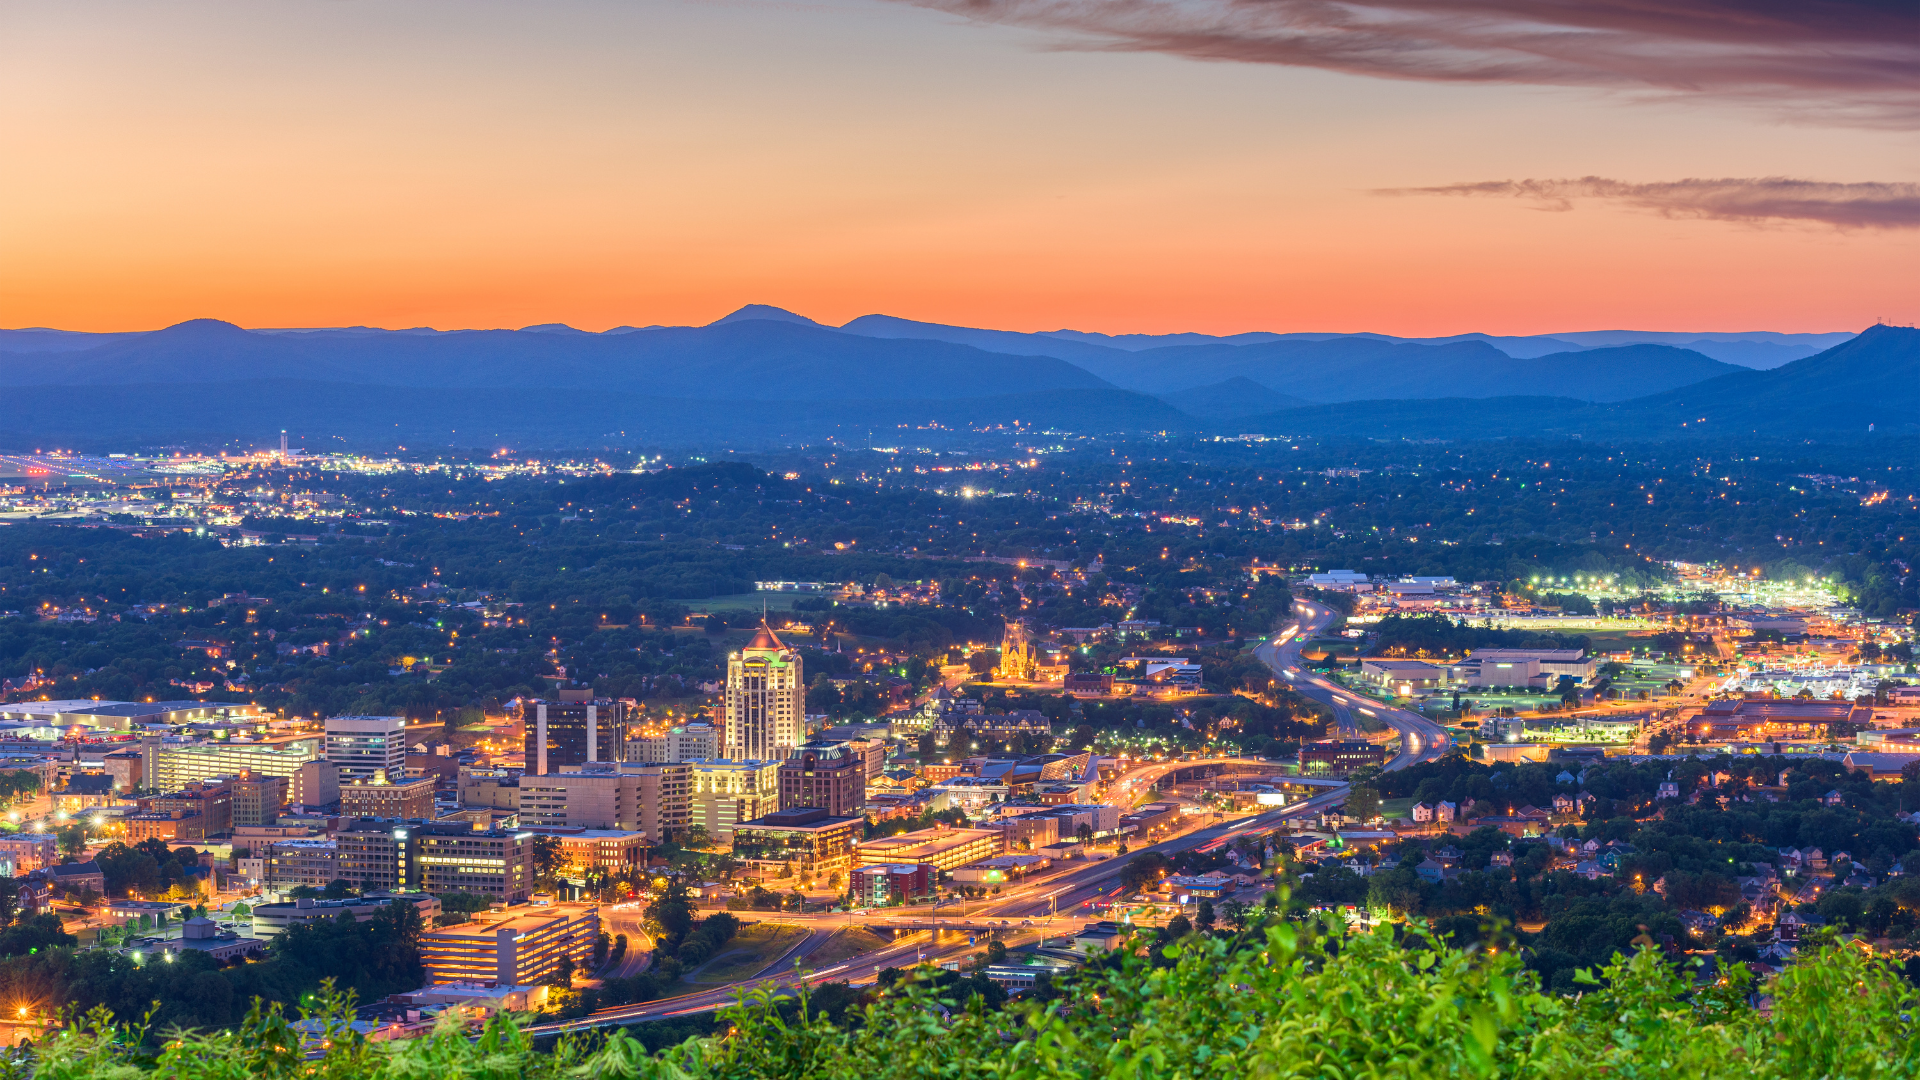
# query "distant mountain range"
(766, 375)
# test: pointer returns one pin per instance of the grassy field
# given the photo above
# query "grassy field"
(1393, 808)
(845, 945)
(751, 950)
(748, 601)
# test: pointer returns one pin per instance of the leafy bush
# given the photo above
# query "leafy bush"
(1288, 999)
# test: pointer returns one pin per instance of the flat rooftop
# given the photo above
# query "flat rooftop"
(925, 842)
(521, 920)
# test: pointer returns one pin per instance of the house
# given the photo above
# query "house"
(1667, 790)
(1422, 813)
(1565, 777)
(1446, 811)
(76, 878)
(1757, 895)
(1589, 870)
(1833, 798)
(1202, 887)
(1430, 871)
(1790, 926)
(1699, 923)
(1098, 937)
(1564, 804)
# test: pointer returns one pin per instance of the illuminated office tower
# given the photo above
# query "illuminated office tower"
(766, 698)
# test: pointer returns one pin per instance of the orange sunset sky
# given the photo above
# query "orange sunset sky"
(483, 164)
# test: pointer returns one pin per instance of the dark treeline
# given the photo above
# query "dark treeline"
(373, 959)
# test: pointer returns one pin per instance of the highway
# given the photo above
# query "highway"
(1420, 738)
(1050, 902)
(617, 919)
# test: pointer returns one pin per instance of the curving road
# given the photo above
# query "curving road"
(1049, 903)
(1420, 738)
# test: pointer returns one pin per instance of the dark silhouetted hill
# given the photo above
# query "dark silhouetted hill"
(1230, 400)
(1872, 379)
(1369, 369)
(329, 415)
(742, 359)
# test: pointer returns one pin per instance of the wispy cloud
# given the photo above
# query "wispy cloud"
(1765, 200)
(1857, 58)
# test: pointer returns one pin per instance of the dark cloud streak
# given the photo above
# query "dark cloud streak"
(1855, 59)
(1760, 201)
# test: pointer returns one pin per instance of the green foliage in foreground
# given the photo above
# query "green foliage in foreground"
(1288, 1000)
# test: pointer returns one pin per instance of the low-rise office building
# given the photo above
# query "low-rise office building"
(316, 783)
(494, 863)
(407, 800)
(270, 920)
(809, 842)
(492, 789)
(123, 912)
(201, 809)
(1340, 756)
(29, 851)
(1403, 676)
(598, 852)
(646, 797)
(297, 861)
(175, 827)
(825, 776)
(203, 935)
(438, 857)
(689, 742)
(258, 799)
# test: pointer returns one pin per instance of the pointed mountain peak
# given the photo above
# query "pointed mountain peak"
(764, 313)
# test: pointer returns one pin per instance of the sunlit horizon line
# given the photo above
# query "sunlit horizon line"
(1618, 328)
